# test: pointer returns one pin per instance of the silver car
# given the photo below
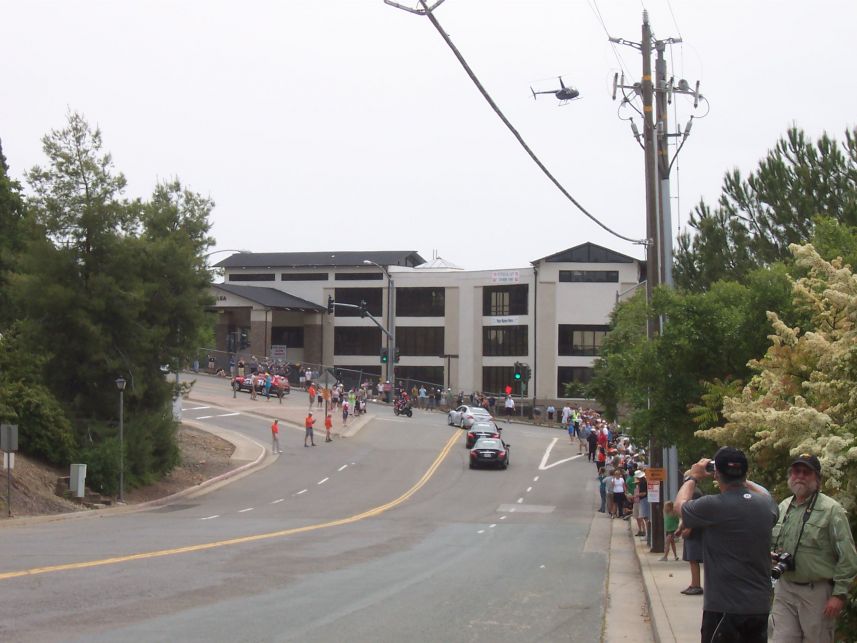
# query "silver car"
(464, 416)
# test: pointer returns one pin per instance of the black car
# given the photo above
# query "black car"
(481, 430)
(489, 452)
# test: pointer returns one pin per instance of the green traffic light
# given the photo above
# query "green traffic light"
(517, 376)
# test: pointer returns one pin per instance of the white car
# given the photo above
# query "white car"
(464, 416)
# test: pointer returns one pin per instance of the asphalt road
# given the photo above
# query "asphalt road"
(384, 536)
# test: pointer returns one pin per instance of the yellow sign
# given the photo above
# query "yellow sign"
(654, 474)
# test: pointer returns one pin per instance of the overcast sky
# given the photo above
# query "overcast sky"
(349, 124)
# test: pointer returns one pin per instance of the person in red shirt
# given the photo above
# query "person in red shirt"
(328, 425)
(275, 437)
(311, 391)
(308, 424)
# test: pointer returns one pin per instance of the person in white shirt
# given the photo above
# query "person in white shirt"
(509, 404)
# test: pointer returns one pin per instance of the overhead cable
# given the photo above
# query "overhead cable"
(428, 12)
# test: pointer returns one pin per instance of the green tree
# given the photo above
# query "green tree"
(707, 336)
(756, 219)
(11, 236)
(801, 398)
(111, 287)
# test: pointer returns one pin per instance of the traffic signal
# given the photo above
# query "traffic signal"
(528, 373)
(329, 305)
(518, 374)
(396, 356)
(362, 308)
(385, 356)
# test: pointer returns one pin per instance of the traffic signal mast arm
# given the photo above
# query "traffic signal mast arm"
(363, 313)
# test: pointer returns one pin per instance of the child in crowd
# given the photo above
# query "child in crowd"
(671, 520)
(602, 488)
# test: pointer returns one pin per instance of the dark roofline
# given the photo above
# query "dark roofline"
(406, 258)
(271, 298)
(582, 245)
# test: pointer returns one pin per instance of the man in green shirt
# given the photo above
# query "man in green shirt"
(813, 587)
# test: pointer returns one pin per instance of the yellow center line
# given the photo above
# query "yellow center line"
(376, 511)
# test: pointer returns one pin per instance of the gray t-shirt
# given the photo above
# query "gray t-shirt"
(737, 533)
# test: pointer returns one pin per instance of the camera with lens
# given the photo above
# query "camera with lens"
(785, 562)
(710, 466)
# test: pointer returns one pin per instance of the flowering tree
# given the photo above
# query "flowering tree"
(803, 397)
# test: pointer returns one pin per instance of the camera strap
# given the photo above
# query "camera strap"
(809, 507)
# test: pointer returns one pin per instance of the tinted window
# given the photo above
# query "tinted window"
(488, 443)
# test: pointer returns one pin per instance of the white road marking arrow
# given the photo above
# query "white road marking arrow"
(544, 466)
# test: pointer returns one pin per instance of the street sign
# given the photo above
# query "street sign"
(656, 474)
(8, 437)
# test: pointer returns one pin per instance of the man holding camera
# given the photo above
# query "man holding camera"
(736, 526)
(814, 559)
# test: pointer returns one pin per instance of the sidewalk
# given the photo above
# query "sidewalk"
(675, 617)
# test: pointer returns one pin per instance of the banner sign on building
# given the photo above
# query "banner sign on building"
(503, 321)
(506, 277)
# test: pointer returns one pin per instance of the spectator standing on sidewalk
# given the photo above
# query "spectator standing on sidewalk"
(814, 529)
(509, 405)
(671, 520)
(619, 489)
(602, 489)
(309, 422)
(691, 553)
(328, 425)
(275, 437)
(641, 498)
(738, 523)
(311, 393)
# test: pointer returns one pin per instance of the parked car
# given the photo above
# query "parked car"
(489, 452)
(481, 429)
(464, 416)
(279, 385)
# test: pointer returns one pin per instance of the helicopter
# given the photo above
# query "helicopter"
(564, 94)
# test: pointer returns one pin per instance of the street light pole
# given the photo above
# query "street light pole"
(120, 384)
(391, 324)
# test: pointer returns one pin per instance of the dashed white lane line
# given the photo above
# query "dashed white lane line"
(491, 526)
(300, 492)
(512, 510)
(241, 511)
(211, 517)
(323, 481)
(541, 566)
(536, 479)
(342, 467)
(529, 489)
(277, 501)
(197, 408)
(226, 415)
(204, 417)
(481, 531)
(520, 500)
(502, 517)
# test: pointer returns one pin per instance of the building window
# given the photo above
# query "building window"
(372, 297)
(498, 301)
(568, 374)
(495, 379)
(251, 276)
(356, 340)
(410, 376)
(590, 276)
(580, 339)
(500, 341)
(304, 276)
(291, 336)
(420, 302)
(237, 338)
(420, 340)
(359, 276)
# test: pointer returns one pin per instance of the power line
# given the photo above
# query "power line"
(428, 12)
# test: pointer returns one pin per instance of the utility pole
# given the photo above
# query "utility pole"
(658, 227)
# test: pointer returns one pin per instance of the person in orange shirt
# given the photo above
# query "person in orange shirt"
(328, 425)
(275, 437)
(308, 424)
(311, 391)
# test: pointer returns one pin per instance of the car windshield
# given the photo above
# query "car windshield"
(488, 443)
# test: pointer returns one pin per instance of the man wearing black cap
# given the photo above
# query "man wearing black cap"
(813, 529)
(736, 526)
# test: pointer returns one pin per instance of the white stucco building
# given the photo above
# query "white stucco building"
(462, 329)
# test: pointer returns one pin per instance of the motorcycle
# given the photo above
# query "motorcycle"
(402, 407)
